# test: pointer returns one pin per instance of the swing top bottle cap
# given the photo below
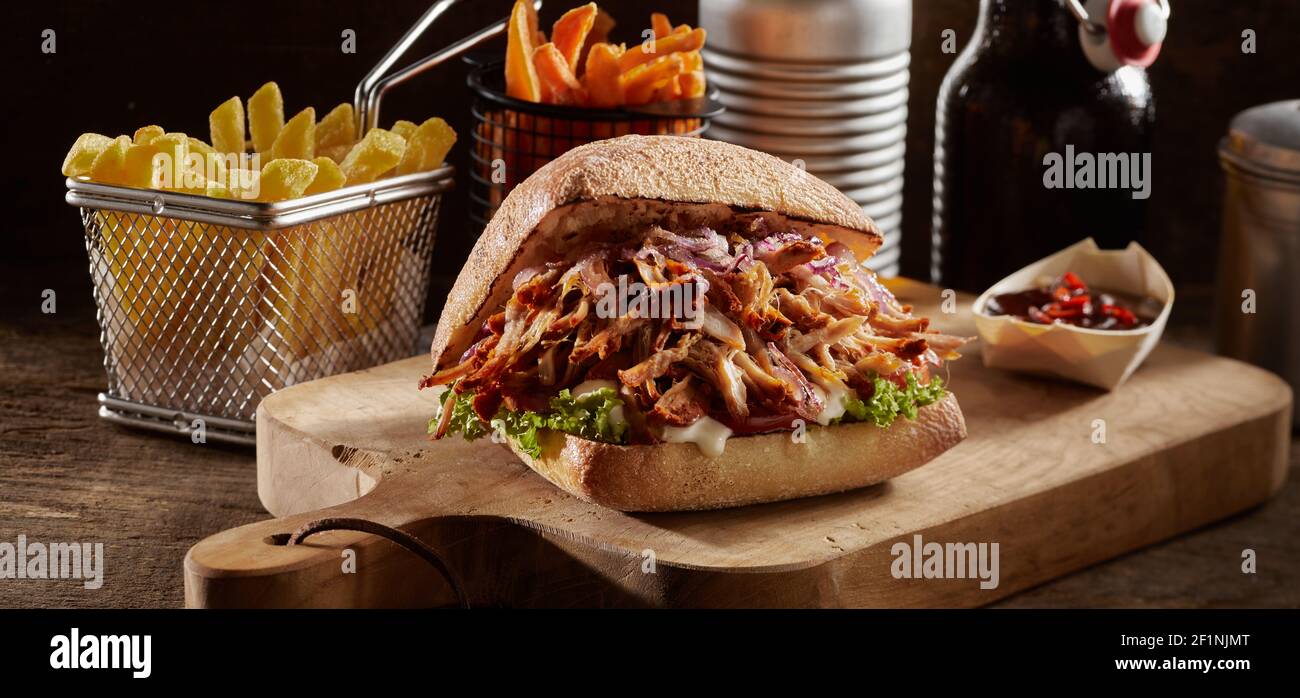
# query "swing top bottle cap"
(1137, 29)
(1119, 33)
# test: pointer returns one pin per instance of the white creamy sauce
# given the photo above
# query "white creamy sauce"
(707, 433)
(833, 401)
(591, 386)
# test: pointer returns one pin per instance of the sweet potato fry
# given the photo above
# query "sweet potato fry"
(692, 84)
(660, 24)
(558, 84)
(601, 26)
(668, 91)
(521, 75)
(531, 13)
(673, 43)
(692, 60)
(570, 33)
(601, 78)
(640, 83)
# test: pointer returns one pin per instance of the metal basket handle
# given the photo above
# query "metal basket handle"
(371, 89)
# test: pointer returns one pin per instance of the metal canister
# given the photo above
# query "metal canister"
(1259, 272)
(821, 84)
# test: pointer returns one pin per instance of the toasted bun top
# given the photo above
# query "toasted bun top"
(612, 173)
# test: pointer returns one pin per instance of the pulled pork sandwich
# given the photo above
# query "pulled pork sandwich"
(661, 323)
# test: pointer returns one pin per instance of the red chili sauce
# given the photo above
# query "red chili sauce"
(1070, 301)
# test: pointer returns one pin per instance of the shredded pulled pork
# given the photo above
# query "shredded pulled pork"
(753, 328)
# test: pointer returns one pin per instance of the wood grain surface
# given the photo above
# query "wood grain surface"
(1191, 438)
(65, 475)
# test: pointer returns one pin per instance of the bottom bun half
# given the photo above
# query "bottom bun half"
(753, 469)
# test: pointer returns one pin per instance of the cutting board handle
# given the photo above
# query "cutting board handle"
(413, 545)
(388, 563)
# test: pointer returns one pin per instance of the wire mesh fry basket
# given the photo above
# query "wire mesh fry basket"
(207, 305)
(204, 311)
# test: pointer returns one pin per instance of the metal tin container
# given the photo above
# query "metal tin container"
(821, 128)
(804, 147)
(822, 84)
(803, 70)
(811, 109)
(1259, 263)
(814, 91)
(809, 30)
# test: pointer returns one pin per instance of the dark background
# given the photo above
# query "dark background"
(122, 65)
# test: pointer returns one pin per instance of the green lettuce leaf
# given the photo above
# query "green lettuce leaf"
(889, 401)
(520, 427)
(463, 419)
(588, 415)
(591, 415)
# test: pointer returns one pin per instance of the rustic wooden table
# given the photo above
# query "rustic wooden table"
(66, 475)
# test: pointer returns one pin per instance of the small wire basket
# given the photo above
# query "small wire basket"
(207, 305)
(512, 138)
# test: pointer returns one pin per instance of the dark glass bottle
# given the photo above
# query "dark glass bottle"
(1021, 89)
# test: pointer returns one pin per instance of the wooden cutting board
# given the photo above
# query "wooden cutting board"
(1191, 438)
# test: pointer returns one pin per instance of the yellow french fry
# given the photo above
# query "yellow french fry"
(428, 147)
(237, 183)
(375, 155)
(170, 168)
(286, 178)
(198, 145)
(265, 116)
(145, 134)
(297, 140)
(109, 166)
(338, 127)
(226, 126)
(87, 147)
(137, 166)
(337, 153)
(329, 176)
(403, 128)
